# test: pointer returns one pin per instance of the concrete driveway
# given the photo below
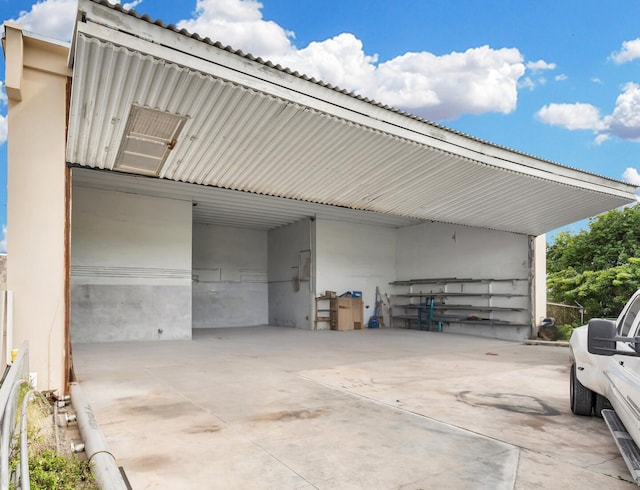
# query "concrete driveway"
(279, 408)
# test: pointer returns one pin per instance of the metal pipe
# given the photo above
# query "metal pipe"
(25, 482)
(103, 463)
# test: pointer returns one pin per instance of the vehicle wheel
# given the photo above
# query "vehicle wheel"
(601, 404)
(582, 398)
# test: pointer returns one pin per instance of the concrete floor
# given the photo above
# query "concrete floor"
(278, 408)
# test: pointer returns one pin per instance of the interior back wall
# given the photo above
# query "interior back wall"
(358, 257)
(230, 276)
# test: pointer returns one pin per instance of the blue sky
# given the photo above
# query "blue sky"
(556, 79)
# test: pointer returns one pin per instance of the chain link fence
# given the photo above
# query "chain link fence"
(574, 315)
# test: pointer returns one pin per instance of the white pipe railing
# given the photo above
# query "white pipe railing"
(17, 376)
(25, 481)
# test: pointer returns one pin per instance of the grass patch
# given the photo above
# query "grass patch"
(50, 470)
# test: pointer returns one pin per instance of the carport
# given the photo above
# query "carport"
(202, 187)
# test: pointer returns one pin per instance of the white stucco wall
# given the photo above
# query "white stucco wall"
(130, 267)
(36, 79)
(230, 276)
(291, 291)
(355, 257)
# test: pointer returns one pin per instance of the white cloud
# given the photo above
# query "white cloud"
(131, 5)
(540, 65)
(340, 60)
(629, 52)
(535, 79)
(623, 122)
(239, 23)
(444, 87)
(571, 116)
(55, 18)
(3, 94)
(52, 18)
(597, 80)
(435, 87)
(3, 129)
(632, 176)
(527, 82)
(561, 78)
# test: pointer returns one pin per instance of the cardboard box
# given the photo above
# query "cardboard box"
(346, 314)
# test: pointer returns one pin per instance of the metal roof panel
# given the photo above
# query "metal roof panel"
(268, 137)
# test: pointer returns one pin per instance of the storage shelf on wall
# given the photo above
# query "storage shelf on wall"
(452, 294)
(464, 307)
(430, 309)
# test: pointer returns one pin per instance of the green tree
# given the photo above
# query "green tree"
(599, 267)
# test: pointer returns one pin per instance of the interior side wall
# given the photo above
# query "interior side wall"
(230, 276)
(130, 267)
(437, 250)
(355, 257)
(290, 270)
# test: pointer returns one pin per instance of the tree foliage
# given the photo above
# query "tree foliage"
(598, 268)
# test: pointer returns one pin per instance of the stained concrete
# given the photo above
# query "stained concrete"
(283, 408)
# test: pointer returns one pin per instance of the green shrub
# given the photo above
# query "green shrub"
(565, 331)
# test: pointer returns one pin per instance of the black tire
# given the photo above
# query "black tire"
(601, 404)
(582, 398)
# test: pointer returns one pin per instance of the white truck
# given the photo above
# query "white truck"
(605, 377)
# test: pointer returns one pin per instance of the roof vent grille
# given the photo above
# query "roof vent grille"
(148, 138)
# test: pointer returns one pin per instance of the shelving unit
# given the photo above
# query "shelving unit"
(323, 311)
(431, 303)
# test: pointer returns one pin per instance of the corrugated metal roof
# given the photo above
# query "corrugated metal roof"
(256, 132)
(217, 44)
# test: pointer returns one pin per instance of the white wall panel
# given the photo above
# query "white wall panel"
(440, 250)
(230, 276)
(130, 267)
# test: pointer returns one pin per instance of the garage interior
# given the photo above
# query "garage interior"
(214, 189)
(153, 259)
